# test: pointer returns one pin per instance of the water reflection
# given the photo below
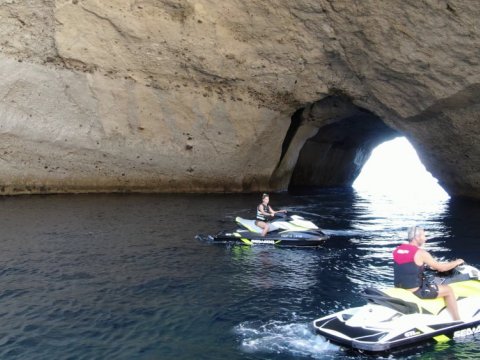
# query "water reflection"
(263, 267)
(463, 349)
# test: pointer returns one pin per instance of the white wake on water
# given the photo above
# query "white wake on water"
(278, 337)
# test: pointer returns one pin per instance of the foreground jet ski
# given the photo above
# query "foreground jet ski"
(395, 317)
(283, 231)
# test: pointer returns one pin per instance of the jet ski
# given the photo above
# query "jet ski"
(394, 317)
(286, 230)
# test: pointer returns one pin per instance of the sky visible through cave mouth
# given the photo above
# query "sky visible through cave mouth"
(395, 171)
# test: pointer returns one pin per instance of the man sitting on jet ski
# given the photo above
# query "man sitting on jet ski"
(408, 268)
(265, 213)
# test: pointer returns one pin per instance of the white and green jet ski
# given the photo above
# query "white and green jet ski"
(394, 317)
(291, 230)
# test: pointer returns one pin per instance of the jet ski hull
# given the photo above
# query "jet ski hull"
(292, 239)
(367, 339)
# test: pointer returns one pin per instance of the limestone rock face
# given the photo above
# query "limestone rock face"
(194, 96)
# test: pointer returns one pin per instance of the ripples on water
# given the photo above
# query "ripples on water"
(121, 276)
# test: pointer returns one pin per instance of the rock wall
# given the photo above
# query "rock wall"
(163, 95)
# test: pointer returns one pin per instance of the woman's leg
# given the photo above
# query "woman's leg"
(262, 225)
(265, 230)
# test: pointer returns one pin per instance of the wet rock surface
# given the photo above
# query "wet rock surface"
(191, 96)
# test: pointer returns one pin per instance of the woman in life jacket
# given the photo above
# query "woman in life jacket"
(265, 214)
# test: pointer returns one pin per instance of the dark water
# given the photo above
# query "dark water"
(122, 277)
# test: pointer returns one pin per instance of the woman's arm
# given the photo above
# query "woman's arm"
(274, 212)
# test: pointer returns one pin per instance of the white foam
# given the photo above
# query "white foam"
(298, 339)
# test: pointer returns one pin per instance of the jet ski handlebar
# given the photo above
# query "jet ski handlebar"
(459, 273)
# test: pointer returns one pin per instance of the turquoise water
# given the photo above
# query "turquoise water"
(122, 276)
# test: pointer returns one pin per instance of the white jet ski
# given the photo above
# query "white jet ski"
(394, 318)
(286, 230)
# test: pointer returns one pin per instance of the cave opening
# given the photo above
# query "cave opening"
(335, 156)
(328, 143)
(395, 170)
(335, 143)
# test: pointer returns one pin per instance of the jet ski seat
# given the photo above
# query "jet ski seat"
(250, 225)
(375, 296)
(405, 301)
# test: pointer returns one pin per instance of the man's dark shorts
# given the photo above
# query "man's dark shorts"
(427, 291)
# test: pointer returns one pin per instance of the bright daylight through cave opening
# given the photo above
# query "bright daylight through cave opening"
(395, 170)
